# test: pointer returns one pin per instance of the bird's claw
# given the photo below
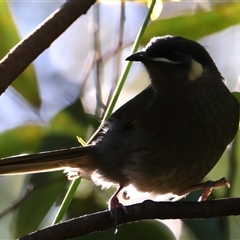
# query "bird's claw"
(210, 185)
(207, 188)
(114, 204)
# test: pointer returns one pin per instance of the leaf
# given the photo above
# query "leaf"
(73, 121)
(237, 96)
(26, 84)
(191, 26)
(200, 228)
(24, 139)
(150, 229)
(48, 190)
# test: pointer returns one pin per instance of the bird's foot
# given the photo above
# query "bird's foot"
(207, 188)
(210, 185)
(114, 204)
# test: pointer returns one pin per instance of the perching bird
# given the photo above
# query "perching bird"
(163, 141)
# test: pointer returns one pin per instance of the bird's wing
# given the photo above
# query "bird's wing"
(129, 112)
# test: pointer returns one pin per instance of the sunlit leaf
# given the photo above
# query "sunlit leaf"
(26, 83)
(24, 139)
(157, 9)
(197, 25)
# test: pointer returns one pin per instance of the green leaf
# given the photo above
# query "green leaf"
(49, 189)
(73, 121)
(23, 139)
(26, 84)
(200, 228)
(150, 229)
(237, 96)
(197, 25)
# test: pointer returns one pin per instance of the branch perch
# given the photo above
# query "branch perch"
(27, 50)
(147, 210)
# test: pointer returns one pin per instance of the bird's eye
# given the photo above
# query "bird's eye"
(182, 57)
(178, 56)
(172, 57)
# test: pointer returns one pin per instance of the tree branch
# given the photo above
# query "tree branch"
(147, 210)
(20, 56)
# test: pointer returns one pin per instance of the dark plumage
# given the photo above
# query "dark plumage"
(164, 140)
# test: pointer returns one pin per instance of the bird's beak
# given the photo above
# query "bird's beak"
(141, 57)
(136, 57)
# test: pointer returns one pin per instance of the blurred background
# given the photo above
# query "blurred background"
(64, 92)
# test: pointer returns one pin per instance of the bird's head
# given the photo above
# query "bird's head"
(176, 62)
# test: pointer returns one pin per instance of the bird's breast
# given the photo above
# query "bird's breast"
(179, 140)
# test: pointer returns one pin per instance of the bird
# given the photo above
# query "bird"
(163, 141)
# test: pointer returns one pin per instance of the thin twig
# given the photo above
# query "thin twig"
(116, 71)
(90, 63)
(21, 199)
(232, 172)
(98, 63)
(233, 166)
(31, 188)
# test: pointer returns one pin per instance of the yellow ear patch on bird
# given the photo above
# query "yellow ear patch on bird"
(196, 70)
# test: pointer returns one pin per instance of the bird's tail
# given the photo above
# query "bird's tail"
(79, 158)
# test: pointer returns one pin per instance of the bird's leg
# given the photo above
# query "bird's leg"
(125, 195)
(114, 204)
(207, 187)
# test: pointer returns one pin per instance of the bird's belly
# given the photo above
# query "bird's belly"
(177, 161)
